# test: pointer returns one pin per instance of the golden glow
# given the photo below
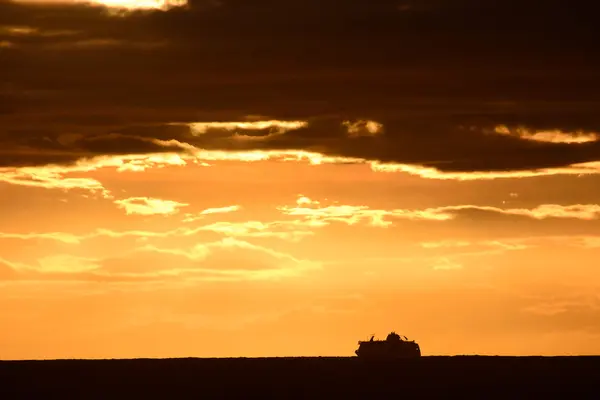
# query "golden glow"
(363, 128)
(208, 211)
(353, 214)
(56, 176)
(118, 4)
(66, 263)
(141, 4)
(265, 265)
(590, 168)
(199, 128)
(148, 206)
(18, 30)
(552, 136)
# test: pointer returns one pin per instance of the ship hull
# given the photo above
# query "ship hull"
(385, 350)
(367, 355)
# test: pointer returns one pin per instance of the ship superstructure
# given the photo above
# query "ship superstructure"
(394, 346)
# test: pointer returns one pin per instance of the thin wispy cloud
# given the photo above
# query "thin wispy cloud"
(190, 217)
(551, 136)
(198, 128)
(352, 214)
(149, 206)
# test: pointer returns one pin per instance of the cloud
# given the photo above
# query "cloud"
(73, 149)
(544, 211)
(563, 307)
(583, 169)
(149, 206)
(341, 213)
(50, 178)
(66, 263)
(199, 128)
(554, 136)
(446, 264)
(55, 176)
(302, 200)
(445, 243)
(363, 128)
(226, 260)
(504, 244)
(118, 4)
(304, 219)
(293, 230)
(578, 211)
(221, 148)
(63, 237)
(220, 210)
(517, 243)
(32, 31)
(451, 254)
(217, 210)
(352, 214)
(123, 82)
(143, 4)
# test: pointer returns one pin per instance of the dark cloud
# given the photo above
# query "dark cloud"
(438, 74)
(30, 148)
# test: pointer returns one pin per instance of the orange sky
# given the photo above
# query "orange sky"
(281, 274)
(274, 191)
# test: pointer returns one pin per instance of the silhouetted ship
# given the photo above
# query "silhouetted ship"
(394, 346)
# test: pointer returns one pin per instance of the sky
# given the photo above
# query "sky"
(227, 178)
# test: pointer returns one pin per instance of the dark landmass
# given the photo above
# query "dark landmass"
(479, 377)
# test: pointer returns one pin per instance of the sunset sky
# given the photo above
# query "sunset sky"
(224, 178)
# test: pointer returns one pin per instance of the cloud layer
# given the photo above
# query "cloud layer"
(410, 85)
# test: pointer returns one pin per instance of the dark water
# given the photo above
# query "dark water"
(309, 378)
